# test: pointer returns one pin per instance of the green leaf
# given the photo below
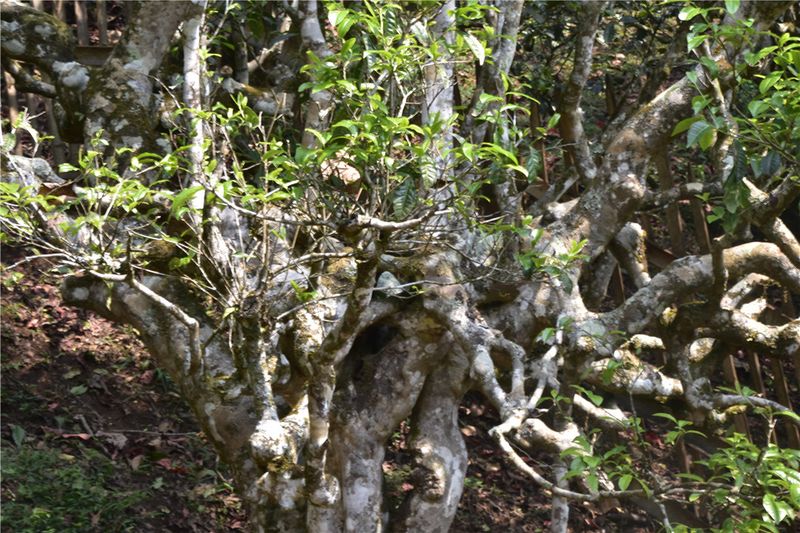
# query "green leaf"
(9, 142)
(468, 149)
(404, 199)
(17, 435)
(522, 170)
(756, 107)
(688, 13)
(731, 6)
(181, 199)
(593, 482)
(695, 131)
(338, 18)
(302, 154)
(740, 163)
(476, 46)
(707, 138)
(496, 149)
(731, 200)
(696, 40)
(545, 335)
(710, 65)
(767, 83)
(770, 163)
(699, 103)
(776, 509)
(594, 398)
(77, 390)
(566, 281)
(668, 417)
(323, 139)
(625, 481)
(788, 414)
(533, 164)
(553, 121)
(684, 124)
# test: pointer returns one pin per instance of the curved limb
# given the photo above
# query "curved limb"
(440, 452)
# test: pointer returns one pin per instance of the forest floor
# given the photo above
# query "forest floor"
(95, 438)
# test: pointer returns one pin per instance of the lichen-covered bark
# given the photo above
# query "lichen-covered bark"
(120, 98)
(440, 452)
(571, 123)
(35, 37)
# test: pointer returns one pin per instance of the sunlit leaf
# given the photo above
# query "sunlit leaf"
(476, 46)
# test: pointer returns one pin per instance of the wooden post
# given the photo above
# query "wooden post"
(59, 10)
(699, 219)
(740, 419)
(102, 21)
(617, 287)
(755, 372)
(782, 391)
(674, 222)
(82, 22)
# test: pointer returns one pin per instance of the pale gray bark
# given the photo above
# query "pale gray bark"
(440, 452)
(120, 98)
(571, 124)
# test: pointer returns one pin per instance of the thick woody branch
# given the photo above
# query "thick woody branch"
(323, 488)
(621, 185)
(737, 327)
(765, 212)
(695, 273)
(683, 191)
(27, 83)
(490, 79)
(571, 124)
(320, 103)
(634, 377)
(192, 325)
(121, 100)
(725, 401)
(628, 248)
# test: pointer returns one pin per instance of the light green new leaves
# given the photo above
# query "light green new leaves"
(476, 46)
